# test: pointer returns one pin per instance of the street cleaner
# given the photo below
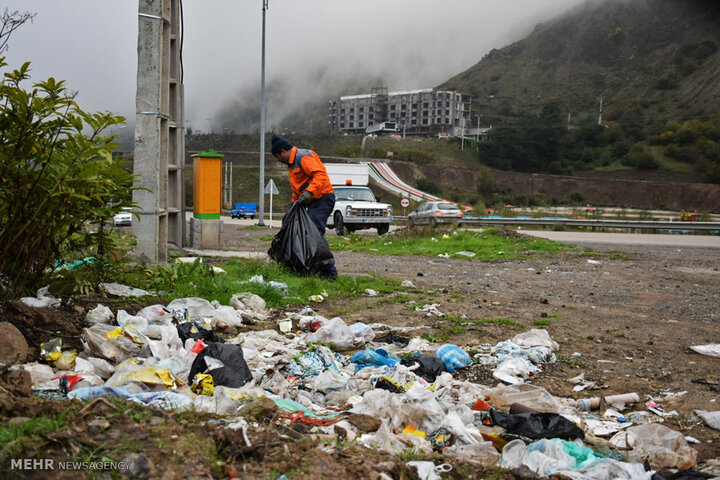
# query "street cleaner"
(310, 185)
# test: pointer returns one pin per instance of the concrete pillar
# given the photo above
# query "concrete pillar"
(159, 136)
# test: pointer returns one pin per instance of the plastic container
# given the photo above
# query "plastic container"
(525, 394)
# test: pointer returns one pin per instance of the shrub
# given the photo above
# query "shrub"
(60, 185)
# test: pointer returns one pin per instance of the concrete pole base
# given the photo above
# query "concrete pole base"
(206, 234)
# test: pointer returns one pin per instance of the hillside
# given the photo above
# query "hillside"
(649, 59)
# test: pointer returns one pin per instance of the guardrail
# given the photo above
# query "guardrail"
(627, 224)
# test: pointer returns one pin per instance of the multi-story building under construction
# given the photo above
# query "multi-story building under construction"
(414, 112)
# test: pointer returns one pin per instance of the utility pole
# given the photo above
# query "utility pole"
(261, 202)
(600, 115)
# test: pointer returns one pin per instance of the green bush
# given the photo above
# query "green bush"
(60, 184)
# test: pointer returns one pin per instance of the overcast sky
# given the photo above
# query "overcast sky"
(92, 44)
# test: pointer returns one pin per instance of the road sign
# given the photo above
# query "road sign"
(404, 203)
(271, 188)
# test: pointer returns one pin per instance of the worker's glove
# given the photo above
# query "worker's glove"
(305, 198)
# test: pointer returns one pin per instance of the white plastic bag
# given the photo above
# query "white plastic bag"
(197, 307)
(536, 337)
(335, 331)
(100, 314)
(156, 314)
(661, 446)
(363, 331)
(43, 299)
(125, 319)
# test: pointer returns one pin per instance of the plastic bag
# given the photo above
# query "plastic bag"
(43, 299)
(39, 372)
(112, 349)
(528, 395)
(124, 319)
(335, 331)
(373, 358)
(156, 314)
(537, 425)
(100, 314)
(661, 446)
(299, 245)
(196, 307)
(428, 366)
(453, 357)
(234, 372)
(363, 331)
(195, 331)
(536, 337)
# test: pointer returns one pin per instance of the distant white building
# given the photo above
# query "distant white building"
(425, 112)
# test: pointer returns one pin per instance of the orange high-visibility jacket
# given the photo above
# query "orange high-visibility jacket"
(307, 172)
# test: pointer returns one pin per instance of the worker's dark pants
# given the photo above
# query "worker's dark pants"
(319, 211)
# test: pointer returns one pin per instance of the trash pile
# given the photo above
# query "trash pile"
(384, 390)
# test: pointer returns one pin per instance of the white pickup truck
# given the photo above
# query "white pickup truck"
(356, 206)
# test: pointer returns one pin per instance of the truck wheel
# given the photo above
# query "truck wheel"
(411, 222)
(339, 224)
(383, 228)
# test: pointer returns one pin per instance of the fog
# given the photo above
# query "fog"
(315, 50)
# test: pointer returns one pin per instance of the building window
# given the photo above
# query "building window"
(352, 125)
(392, 108)
(426, 104)
(425, 121)
(361, 116)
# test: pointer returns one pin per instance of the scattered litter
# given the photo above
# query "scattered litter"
(594, 262)
(711, 419)
(465, 253)
(316, 298)
(407, 284)
(392, 391)
(42, 300)
(280, 286)
(370, 292)
(123, 290)
(712, 350)
(430, 310)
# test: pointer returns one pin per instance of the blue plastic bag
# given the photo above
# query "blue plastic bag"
(453, 357)
(373, 358)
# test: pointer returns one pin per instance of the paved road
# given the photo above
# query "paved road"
(657, 240)
(635, 239)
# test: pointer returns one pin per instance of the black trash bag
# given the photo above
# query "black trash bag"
(536, 425)
(430, 366)
(192, 330)
(397, 339)
(234, 372)
(299, 245)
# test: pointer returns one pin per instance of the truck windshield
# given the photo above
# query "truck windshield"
(357, 194)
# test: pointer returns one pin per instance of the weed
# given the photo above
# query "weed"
(17, 436)
(428, 242)
(541, 322)
(620, 334)
(436, 337)
(575, 362)
(500, 321)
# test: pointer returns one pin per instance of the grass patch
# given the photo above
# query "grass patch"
(500, 321)
(541, 322)
(29, 434)
(197, 279)
(489, 245)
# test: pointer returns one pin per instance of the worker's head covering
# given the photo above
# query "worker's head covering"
(279, 143)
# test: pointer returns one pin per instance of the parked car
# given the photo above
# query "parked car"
(124, 218)
(244, 210)
(433, 213)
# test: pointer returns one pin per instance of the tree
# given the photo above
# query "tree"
(60, 183)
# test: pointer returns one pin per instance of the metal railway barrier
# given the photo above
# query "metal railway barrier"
(626, 224)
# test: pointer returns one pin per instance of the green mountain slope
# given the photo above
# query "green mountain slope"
(659, 56)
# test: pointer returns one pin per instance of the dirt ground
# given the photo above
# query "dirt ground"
(631, 313)
(625, 317)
